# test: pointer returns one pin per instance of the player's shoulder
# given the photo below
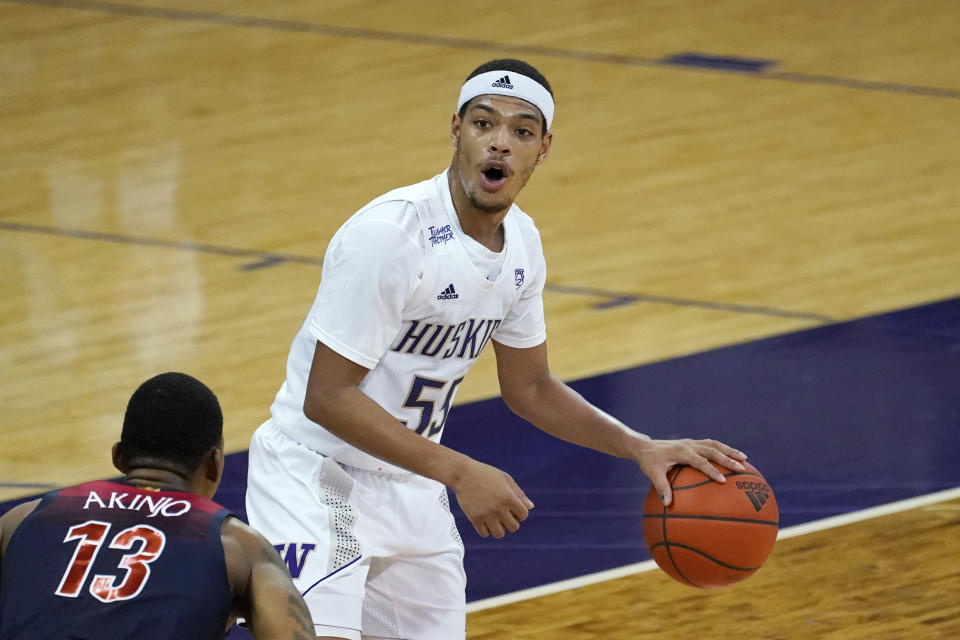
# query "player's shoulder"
(240, 544)
(393, 219)
(244, 548)
(527, 229)
(524, 220)
(19, 512)
(411, 193)
(240, 538)
(399, 205)
(12, 518)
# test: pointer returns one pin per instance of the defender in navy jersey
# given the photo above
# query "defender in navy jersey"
(150, 556)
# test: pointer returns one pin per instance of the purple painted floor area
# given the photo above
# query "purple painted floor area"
(838, 418)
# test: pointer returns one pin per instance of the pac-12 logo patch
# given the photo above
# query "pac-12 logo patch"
(518, 277)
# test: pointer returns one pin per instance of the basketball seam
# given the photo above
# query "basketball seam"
(705, 555)
(726, 475)
(666, 542)
(681, 516)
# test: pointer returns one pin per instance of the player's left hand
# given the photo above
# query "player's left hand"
(656, 457)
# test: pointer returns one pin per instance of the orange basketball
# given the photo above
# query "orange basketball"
(713, 534)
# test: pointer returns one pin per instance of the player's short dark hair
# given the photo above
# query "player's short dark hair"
(171, 418)
(517, 66)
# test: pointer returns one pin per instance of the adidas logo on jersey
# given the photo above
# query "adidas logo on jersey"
(448, 294)
(503, 83)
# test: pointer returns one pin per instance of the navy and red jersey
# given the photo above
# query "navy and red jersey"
(110, 560)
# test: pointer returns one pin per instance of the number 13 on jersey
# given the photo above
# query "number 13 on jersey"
(104, 588)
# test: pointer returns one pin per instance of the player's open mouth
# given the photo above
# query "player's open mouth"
(493, 177)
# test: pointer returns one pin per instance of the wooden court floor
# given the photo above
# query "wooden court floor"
(888, 578)
(170, 173)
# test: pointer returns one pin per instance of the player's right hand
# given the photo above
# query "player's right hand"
(491, 500)
(656, 457)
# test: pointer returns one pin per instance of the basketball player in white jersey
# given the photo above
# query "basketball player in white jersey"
(347, 477)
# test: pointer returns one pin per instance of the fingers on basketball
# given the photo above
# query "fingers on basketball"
(697, 455)
(662, 486)
(717, 452)
(721, 453)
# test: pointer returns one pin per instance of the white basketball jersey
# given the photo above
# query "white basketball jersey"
(400, 296)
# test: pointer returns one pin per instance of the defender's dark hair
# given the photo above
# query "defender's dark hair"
(171, 418)
(517, 66)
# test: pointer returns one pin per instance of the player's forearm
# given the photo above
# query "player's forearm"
(557, 409)
(286, 620)
(276, 609)
(352, 416)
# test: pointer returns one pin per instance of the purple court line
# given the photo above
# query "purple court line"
(467, 43)
(262, 259)
(618, 298)
(25, 485)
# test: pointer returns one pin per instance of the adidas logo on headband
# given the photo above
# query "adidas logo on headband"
(511, 84)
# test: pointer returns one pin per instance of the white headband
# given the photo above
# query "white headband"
(508, 83)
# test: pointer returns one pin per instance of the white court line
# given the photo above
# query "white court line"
(640, 567)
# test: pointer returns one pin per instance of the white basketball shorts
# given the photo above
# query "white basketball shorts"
(374, 554)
